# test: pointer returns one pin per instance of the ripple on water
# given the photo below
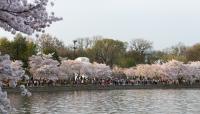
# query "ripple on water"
(110, 102)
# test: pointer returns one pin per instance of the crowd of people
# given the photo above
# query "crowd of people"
(114, 81)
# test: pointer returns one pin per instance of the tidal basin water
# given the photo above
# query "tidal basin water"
(110, 102)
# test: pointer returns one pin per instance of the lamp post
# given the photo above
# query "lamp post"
(74, 47)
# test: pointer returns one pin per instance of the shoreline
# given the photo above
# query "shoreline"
(99, 87)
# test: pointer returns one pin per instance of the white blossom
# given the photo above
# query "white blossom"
(83, 67)
(13, 72)
(171, 70)
(26, 16)
(43, 67)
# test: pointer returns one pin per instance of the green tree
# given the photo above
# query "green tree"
(19, 47)
(22, 49)
(108, 51)
(176, 52)
(193, 53)
(140, 45)
(139, 48)
(49, 44)
(51, 50)
(125, 61)
(5, 46)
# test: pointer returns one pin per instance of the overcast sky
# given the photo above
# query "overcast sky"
(165, 22)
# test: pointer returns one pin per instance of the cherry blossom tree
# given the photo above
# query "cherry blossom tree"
(122, 73)
(174, 69)
(83, 67)
(157, 71)
(26, 16)
(193, 70)
(69, 68)
(130, 71)
(171, 70)
(101, 70)
(11, 71)
(143, 70)
(44, 67)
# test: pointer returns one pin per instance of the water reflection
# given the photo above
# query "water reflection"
(110, 102)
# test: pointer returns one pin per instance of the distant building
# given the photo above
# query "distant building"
(83, 59)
